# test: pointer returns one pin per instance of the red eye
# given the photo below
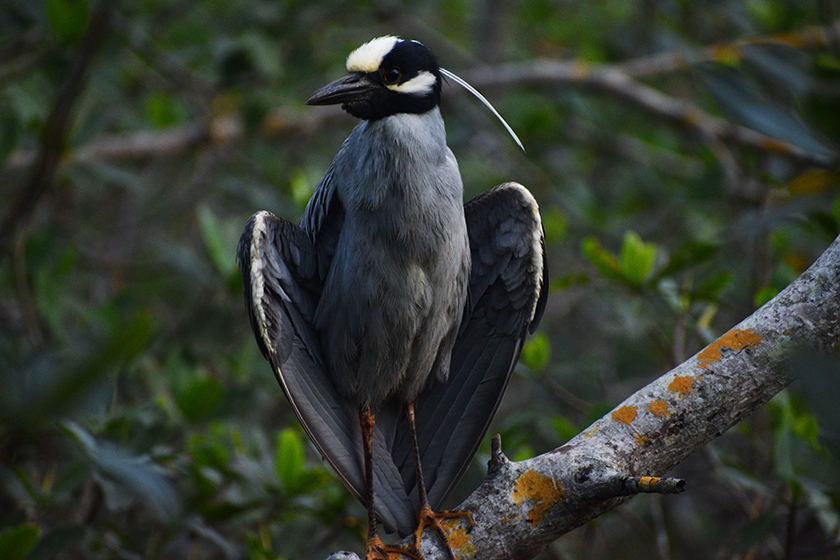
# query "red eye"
(391, 76)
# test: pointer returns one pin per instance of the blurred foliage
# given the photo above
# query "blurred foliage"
(137, 417)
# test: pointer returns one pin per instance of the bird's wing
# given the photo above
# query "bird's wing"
(508, 292)
(283, 274)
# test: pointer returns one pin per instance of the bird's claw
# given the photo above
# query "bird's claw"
(429, 518)
(377, 550)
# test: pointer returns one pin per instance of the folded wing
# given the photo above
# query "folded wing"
(283, 274)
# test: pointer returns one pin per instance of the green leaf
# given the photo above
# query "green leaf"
(633, 268)
(200, 399)
(17, 542)
(163, 110)
(564, 428)
(555, 224)
(568, 281)
(290, 460)
(602, 259)
(686, 256)
(537, 352)
(301, 189)
(68, 19)
(637, 259)
(121, 474)
(207, 453)
(712, 287)
(764, 295)
(215, 240)
(259, 546)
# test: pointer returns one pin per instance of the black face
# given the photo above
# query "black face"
(407, 81)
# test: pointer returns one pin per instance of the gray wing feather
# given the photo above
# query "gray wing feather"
(282, 273)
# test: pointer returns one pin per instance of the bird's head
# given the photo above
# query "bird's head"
(389, 76)
(386, 76)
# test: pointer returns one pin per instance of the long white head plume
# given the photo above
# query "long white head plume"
(481, 98)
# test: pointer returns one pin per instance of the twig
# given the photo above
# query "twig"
(145, 145)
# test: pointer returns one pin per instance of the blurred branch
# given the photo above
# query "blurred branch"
(806, 38)
(57, 126)
(144, 145)
(614, 81)
(524, 506)
(619, 80)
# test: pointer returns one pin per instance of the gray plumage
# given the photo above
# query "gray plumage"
(401, 258)
(391, 289)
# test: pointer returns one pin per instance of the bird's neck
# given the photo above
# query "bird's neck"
(402, 153)
(418, 136)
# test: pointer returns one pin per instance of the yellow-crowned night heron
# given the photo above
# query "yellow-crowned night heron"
(393, 303)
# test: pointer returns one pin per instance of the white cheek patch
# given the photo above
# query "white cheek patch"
(420, 84)
(368, 57)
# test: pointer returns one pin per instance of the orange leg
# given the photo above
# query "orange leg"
(376, 549)
(426, 517)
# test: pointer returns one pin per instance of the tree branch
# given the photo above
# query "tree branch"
(612, 80)
(806, 38)
(522, 507)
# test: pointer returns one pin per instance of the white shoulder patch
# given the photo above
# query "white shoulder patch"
(259, 235)
(368, 57)
(536, 238)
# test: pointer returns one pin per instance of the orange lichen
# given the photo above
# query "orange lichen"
(648, 483)
(459, 540)
(682, 385)
(733, 340)
(540, 490)
(592, 432)
(625, 414)
(658, 408)
(641, 440)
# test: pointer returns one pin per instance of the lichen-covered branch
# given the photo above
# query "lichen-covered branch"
(521, 507)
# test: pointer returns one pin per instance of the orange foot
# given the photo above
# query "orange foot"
(377, 550)
(428, 518)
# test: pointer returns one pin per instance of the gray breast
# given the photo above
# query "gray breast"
(392, 302)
